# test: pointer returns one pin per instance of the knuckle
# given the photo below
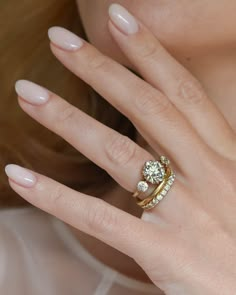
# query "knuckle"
(191, 91)
(120, 149)
(100, 218)
(98, 62)
(231, 147)
(149, 102)
(226, 178)
(66, 115)
(232, 152)
(148, 50)
(205, 219)
(208, 223)
(202, 216)
(57, 197)
(218, 171)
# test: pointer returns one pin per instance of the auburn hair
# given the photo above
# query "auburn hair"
(25, 54)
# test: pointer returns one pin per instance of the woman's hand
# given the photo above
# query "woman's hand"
(186, 244)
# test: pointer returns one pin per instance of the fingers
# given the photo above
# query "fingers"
(160, 123)
(115, 153)
(86, 213)
(161, 70)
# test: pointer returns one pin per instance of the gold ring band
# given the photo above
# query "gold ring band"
(161, 194)
(156, 190)
(154, 172)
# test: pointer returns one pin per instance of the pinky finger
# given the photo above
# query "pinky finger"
(88, 214)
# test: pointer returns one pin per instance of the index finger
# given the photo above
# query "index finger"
(86, 213)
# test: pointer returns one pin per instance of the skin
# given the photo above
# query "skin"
(207, 50)
(186, 240)
(200, 35)
(188, 27)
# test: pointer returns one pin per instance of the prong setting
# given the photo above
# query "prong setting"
(154, 171)
(142, 186)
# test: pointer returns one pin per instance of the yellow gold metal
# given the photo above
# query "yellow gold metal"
(160, 191)
(165, 161)
(159, 188)
(136, 193)
(154, 201)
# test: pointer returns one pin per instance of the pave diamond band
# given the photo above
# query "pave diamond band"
(154, 172)
(161, 194)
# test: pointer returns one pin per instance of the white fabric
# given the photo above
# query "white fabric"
(40, 255)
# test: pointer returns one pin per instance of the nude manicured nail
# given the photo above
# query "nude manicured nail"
(31, 92)
(20, 175)
(123, 19)
(64, 38)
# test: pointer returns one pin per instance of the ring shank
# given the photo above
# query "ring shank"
(157, 190)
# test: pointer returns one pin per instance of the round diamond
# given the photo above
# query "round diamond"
(172, 178)
(154, 171)
(165, 160)
(142, 186)
(167, 187)
(152, 202)
(159, 197)
(164, 192)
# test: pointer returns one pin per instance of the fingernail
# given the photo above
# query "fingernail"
(123, 19)
(31, 92)
(64, 38)
(20, 175)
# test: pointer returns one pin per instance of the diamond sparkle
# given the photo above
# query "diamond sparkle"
(142, 186)
(165, 160)
(154, 171)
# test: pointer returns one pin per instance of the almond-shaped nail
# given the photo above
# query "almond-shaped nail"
(123, 19)
(64, 39)
(20, 175)
(31, 92)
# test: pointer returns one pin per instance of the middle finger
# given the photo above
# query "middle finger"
(157, 119)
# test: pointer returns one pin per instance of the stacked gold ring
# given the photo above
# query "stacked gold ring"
(154, 172)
